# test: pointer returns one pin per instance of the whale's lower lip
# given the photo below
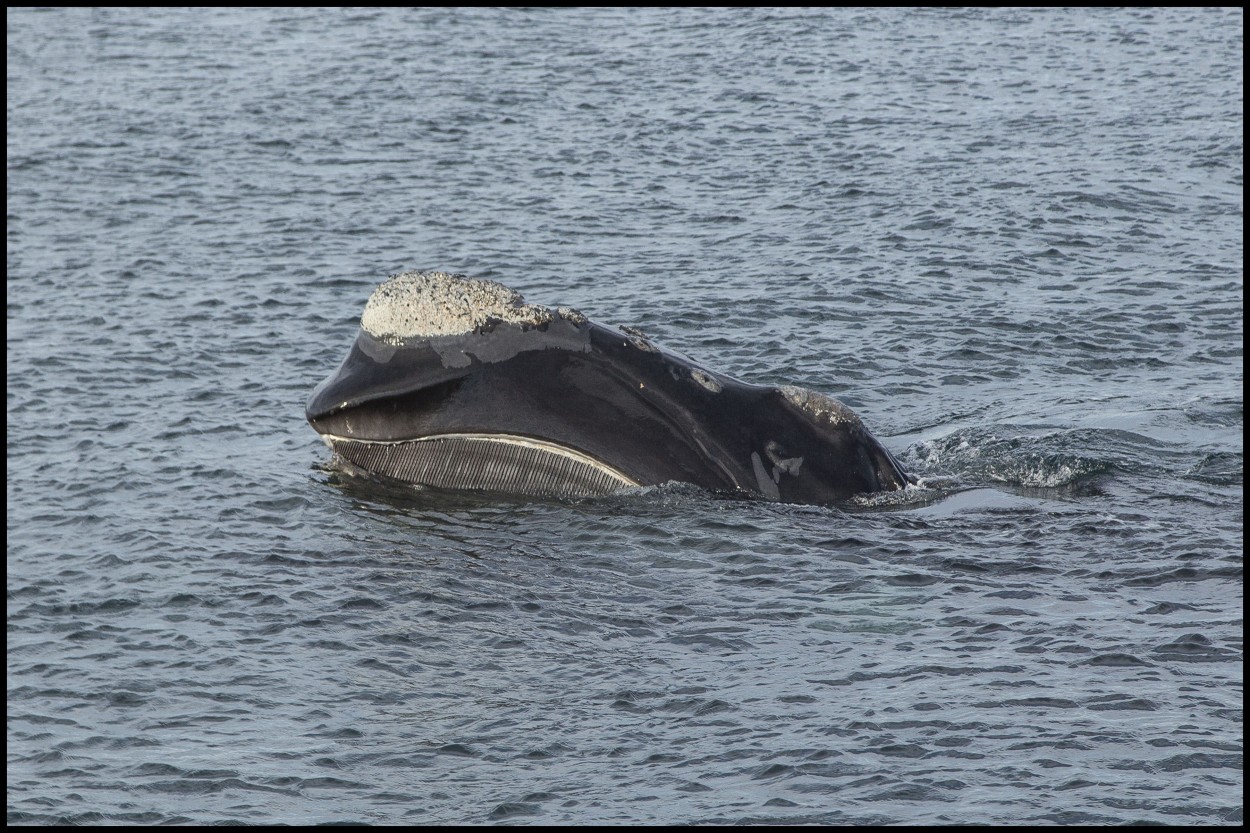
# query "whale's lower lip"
(500, 463)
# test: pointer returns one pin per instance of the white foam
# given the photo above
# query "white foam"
(416, 305)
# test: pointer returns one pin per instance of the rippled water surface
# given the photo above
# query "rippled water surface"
(1010, 240)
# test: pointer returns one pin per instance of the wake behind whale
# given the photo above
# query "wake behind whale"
(457, 383)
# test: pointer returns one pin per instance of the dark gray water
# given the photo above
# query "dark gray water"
(1011, 240)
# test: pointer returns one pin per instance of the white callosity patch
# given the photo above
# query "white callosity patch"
(637, 338)
(415, 305)
(706, 380)
(571, 315)
(820, 407)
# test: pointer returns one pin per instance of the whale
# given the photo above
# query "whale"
(456, 383)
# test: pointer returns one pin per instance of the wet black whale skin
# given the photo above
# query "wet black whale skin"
(651, 414)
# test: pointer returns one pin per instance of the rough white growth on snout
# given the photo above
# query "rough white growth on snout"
(818, 406)
(571, 315)
(424, 304)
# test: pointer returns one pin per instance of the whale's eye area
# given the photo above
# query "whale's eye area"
(486, 462)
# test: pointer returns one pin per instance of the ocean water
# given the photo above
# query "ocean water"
(1011, 240)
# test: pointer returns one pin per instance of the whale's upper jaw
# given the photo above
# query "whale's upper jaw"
(423, 328)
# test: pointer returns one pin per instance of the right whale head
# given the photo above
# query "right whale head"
(458, 383)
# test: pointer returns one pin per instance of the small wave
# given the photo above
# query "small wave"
(923, 492)
(1218, 468)
(1046, 461)
(1045, 471)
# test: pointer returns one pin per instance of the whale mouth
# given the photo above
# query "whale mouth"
(500, 463)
